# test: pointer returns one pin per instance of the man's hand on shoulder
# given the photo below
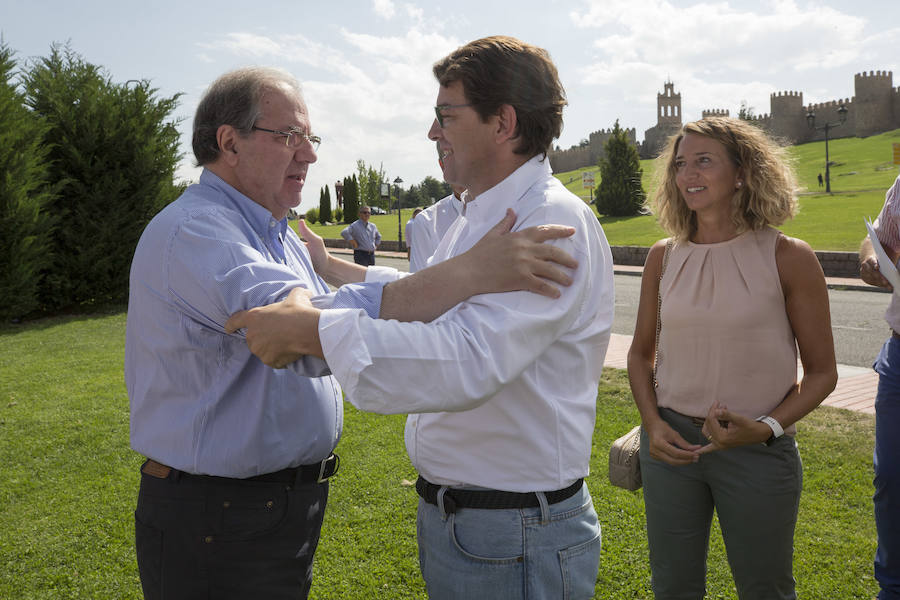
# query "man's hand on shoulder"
(505, 261)
(281, 333)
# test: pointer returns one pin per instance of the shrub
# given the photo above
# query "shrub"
(113, 149)
(26, 226)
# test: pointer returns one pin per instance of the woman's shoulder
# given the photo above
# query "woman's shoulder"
(796, 260)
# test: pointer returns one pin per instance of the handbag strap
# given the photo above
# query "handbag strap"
(669, 243)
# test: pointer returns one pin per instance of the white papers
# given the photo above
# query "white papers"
(885, 266)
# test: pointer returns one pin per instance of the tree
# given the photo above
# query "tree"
(369, 185)
(433, 190)
(113, 149)
(26, 226)
(746, 113)
(324, 205)
(351, 199)
(620, 192)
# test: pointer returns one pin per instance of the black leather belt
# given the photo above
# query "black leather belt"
(455, 498)
(304, 474)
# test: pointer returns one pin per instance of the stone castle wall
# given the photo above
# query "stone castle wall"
(578, 157)
(874, 108)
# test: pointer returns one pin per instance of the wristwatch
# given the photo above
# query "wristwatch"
(777, 430)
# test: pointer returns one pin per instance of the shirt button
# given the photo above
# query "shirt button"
(208, 539)
(270, 504)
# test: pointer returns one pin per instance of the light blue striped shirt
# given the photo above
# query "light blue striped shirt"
(200, 401)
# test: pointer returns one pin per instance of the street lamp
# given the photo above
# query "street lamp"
(339, 192)
(397, 183)
(811, 121)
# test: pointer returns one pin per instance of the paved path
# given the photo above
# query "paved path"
(856, 386)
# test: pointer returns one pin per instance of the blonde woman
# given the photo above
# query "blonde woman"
(738, 298)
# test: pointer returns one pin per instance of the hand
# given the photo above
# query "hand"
(667, 445)
(725, 429)
(508, 262)
(280, 333)
(316, 247)
(869, 272)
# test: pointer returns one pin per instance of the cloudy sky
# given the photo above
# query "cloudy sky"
(365, 65)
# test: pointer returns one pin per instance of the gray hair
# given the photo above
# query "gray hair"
(233, 99)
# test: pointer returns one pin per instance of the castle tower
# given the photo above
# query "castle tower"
(668, 106)
(874, 102)
(788, 117)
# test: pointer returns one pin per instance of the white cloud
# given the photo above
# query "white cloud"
(384, 8)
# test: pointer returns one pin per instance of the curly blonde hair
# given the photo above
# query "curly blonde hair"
(767, 196)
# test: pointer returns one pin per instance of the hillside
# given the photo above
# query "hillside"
(861, 172)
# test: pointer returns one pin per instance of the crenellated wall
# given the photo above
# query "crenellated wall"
(873, 109)
(578, 157)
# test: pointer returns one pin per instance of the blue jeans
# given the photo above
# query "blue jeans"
(754, 490)
(887, 470)
(547, 552)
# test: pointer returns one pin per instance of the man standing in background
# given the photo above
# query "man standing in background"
(364, 237)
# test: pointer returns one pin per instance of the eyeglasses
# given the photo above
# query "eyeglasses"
(439, 111)
(294, 138)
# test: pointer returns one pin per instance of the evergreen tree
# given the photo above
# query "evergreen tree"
(351, 199)
(620, 192)
(325, 206)
(26, 226)
(113, 149)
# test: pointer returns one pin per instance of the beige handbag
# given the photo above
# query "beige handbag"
(624, 459)
(624, 464)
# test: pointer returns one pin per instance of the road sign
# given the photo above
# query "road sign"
(587, 179)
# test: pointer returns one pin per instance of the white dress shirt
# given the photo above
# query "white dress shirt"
(504, 385)
(425, 231)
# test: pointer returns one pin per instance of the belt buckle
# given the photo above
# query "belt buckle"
(323, 467)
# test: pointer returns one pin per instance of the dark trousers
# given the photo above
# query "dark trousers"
(217, 538)
(363, 257)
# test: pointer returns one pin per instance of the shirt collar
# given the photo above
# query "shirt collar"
(259, 217)
(492, 204)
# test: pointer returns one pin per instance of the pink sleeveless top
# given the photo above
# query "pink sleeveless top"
(725, 332)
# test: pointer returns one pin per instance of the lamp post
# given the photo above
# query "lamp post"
(811, 121)
(339, 192)
(397, 183)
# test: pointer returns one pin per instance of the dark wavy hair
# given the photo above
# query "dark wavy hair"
(501, 70)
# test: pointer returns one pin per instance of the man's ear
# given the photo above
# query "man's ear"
(507, 124)
(227, 138)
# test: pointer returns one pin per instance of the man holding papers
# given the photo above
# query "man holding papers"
(878, 257)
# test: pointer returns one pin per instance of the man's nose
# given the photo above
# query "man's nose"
(306, 153)
(435, 132)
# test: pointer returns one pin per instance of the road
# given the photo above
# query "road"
(857, 317)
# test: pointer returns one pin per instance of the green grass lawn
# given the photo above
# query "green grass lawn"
(861, 174)
(68, 485)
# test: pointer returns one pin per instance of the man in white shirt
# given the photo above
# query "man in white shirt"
(427, 229)
(501, 389)
(408, 230)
